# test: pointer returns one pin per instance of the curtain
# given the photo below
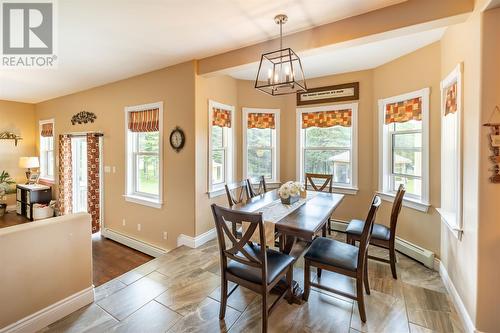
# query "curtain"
(327, 118)
(221, 118)
(144, 121)
(93, 181)
(65, 175)
(47, 130)
(450, 105)
(261, 120)
(404, 111)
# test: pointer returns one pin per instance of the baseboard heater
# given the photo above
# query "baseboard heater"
(416, 252)
(134, 243)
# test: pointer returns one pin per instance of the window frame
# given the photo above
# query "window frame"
(351, 189)
(275, 143)
(131, 141)
(46, 177)
(386, 176)
(453, 220)
(214, 190)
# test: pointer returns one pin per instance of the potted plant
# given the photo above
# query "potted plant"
(290, 192)
(6, 183)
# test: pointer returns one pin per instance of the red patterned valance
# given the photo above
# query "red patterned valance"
(221, 118)
(450, 104)
(47, 130)
(404, 111)
(327, 118)
(261, 120)
(144, 121)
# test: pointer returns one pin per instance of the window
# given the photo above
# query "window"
(327, 142)
(46, 129)
(261, 143)
(404, 147)
(144, 134)
(220, 146)
(451, 143)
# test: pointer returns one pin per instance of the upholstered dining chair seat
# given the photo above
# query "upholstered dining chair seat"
(276, 263)
(333, 253)
(379, 231)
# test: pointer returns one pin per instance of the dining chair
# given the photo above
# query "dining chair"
(237, 193)
(248, 264)
(327, 184)
(342, 258)
(261, 189)
(382, 236)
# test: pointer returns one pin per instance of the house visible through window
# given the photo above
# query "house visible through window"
(404, 146)
(47, 149)
(261, 143)
(220, 145)
(144, 154)
(328, 143)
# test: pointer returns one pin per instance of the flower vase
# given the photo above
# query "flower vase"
(290, 200)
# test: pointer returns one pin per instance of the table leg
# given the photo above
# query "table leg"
(294, 248)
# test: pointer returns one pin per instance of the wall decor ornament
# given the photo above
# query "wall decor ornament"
(10, 136)
(83, 117)
(494, 137)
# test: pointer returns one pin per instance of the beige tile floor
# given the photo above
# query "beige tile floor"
(179, 292)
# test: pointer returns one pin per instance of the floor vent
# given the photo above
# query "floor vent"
(416, 252)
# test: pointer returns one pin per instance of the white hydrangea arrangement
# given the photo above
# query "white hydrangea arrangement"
(290, 190)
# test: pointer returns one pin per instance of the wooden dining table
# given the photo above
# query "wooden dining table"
(297, 229)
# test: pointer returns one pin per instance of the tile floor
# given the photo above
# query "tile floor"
(179, 292)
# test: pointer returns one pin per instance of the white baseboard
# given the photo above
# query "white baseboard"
(416, 252)
(457, 300)
(11, 208)
(197, 241)
(52, 313)
(131, 242)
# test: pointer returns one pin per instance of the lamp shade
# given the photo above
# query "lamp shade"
(29, 162)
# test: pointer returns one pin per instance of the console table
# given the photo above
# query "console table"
(28, 195)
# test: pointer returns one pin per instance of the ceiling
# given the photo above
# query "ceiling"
(334, 60)
(101, 41)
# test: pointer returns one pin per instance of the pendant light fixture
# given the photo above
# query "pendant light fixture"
(280, 72)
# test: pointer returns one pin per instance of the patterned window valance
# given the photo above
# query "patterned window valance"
(327, 118)
(221, 118)
(261, 120)
(404, 111)
(144, 121)
(47, 130)
(450, 105)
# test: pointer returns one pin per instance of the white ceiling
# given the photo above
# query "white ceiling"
(102, 41)
(333, 60)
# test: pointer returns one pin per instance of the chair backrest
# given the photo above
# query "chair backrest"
(237, 193)
(327, 184)
(237, 251)
(396, 208)
(261, 189)
(366, 234)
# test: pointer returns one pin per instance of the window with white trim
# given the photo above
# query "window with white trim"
(220, 146)
(327, 143)
(261, 143)
(144, 135)
(404, 137)
(46, 130)
(451, 143)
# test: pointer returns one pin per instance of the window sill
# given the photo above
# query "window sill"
(217, 192)
(450, 220)
(143, 201)
(407, 202)
(345, 190)
(47, 180)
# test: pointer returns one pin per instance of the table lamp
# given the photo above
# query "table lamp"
(28, 163)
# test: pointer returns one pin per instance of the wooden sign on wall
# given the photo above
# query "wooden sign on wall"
(330, 94)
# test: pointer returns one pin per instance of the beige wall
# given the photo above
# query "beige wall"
(18, 118)
(175, 86)
(461, 43)
(488, 319)
(43, 262)
(415, 71)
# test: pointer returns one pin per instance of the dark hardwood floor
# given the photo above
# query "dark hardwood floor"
(110, 259)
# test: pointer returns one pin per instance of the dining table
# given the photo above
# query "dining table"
(297, 228)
